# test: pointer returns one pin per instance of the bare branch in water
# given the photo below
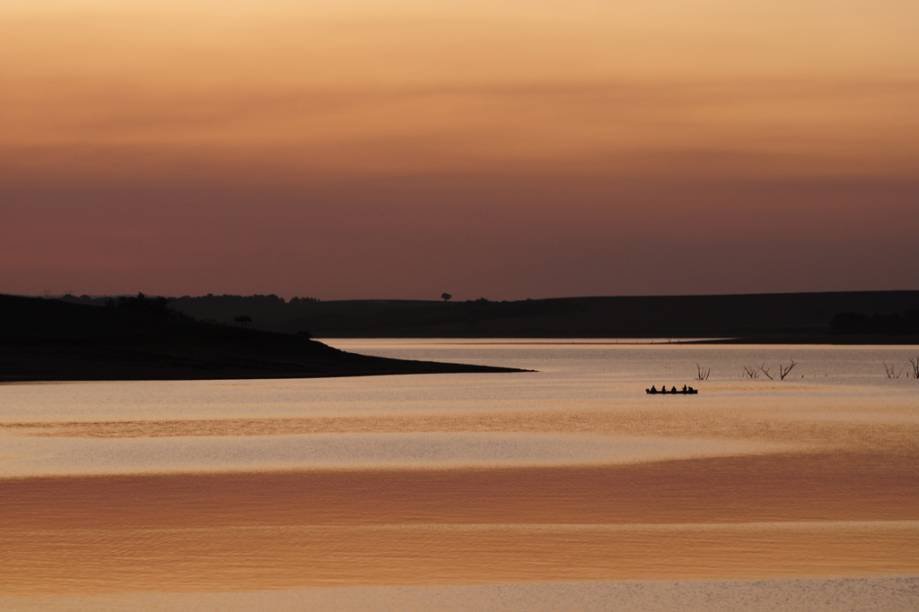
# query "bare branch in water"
(891, 371)
(914, 364)
(785, 370)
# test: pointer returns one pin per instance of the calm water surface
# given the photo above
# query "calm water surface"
(115, 427)
(567, 473)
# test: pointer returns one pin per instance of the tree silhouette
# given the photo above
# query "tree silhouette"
(446, 296)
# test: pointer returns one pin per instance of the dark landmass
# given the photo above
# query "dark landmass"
(844, 318)
(850, 339)
(142, 339)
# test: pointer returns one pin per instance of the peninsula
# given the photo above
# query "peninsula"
(139, 338)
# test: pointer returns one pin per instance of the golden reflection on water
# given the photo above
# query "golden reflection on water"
(748, 481)
(759, 516)
(99, 560)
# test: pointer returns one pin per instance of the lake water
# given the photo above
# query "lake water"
(569, 475)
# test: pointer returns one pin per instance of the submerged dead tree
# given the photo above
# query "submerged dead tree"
(785, 370)
(702, 373)
(753, 373)
(891, 371)
(914, 364)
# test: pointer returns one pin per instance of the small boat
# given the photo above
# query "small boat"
(673, 391)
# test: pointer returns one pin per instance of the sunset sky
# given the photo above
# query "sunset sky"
(359, 148)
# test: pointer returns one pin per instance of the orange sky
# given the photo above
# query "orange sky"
(359, 148)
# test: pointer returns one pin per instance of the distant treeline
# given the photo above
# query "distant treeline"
(876, 323)
(156, 306)
(713, 316)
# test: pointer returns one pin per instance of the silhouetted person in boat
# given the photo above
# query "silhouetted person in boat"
(673, 390)
(652, 390)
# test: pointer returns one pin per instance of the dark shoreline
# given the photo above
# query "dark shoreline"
(140, 338)
(44, 340)
(397, 367)
(52, 364)
(817, 340)
(889, 317)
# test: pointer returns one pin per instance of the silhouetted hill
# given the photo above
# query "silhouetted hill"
(140, 338)
(863, 316)
(819, 317)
